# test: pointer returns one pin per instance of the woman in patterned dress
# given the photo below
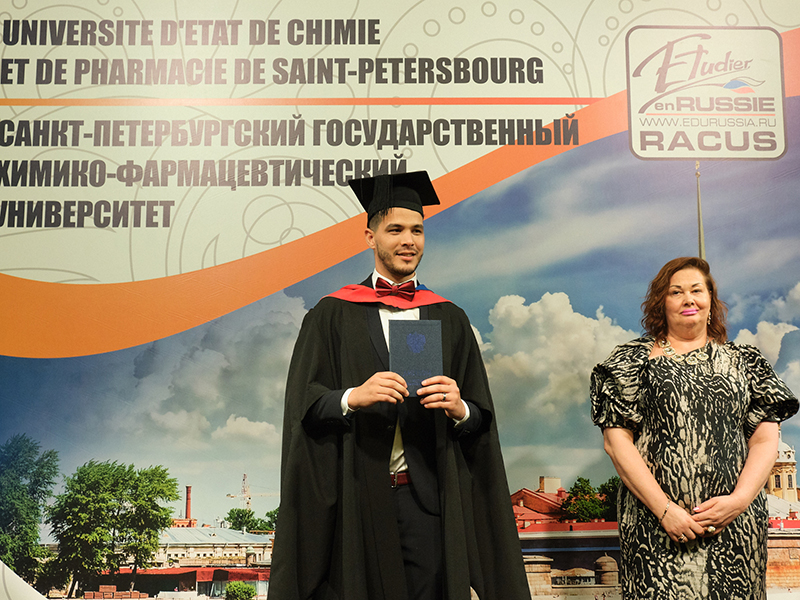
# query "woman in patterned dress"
(690, 421)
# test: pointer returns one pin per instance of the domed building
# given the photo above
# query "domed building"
(782, 481)
(606, 571)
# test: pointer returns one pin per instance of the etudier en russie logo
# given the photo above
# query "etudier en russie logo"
(705, 93)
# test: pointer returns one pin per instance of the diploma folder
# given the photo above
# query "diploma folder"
(415, 351)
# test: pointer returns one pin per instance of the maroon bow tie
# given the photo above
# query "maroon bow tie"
(404, 290)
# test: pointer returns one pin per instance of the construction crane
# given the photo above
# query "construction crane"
(246, 496)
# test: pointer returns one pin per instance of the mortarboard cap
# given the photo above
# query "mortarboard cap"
(402, 190)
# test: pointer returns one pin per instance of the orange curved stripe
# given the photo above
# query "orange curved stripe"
(41, 320)
(52, 320)
(597, 121)
(791, 62)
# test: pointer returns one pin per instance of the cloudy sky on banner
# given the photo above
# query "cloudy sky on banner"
(551, 266)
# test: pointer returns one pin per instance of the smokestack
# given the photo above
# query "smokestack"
(188, 502)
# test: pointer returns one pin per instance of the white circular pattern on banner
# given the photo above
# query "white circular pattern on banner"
(489, 9)
(516, 16)
(625, 6)
(457, 15)
(269, 220)
(612, 23)
(782, 13)
(537, 28)
(432, 28)
(714, 4)
(732, 20)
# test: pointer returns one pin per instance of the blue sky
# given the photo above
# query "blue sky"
(551, 266)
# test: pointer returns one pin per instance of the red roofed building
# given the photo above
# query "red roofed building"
(208, 581)
(540, 506)
(526, 517)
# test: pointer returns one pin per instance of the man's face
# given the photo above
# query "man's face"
(398, 242)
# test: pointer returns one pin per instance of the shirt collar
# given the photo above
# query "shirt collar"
(376, 275)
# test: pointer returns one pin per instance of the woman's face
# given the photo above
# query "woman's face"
(688, 301)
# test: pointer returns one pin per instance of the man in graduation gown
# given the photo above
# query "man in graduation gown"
(390, 493)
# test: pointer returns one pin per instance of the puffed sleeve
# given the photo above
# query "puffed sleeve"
(770, 399)
(615, 385)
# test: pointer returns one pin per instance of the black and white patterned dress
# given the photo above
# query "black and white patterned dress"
(691, 423)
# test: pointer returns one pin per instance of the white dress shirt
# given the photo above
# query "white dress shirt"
(397, 463)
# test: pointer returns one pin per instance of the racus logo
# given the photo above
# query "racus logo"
(685, 63)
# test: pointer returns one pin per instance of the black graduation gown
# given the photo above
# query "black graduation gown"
(337, 534)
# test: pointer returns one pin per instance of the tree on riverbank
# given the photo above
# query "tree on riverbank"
(245, 518)
(27, 476)
(110, 515)
(584, 503)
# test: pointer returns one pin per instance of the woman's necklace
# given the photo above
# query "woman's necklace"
(691, 358)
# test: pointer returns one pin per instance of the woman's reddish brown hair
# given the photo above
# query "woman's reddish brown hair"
(654, 320)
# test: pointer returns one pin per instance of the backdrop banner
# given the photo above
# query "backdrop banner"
(174, 199)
